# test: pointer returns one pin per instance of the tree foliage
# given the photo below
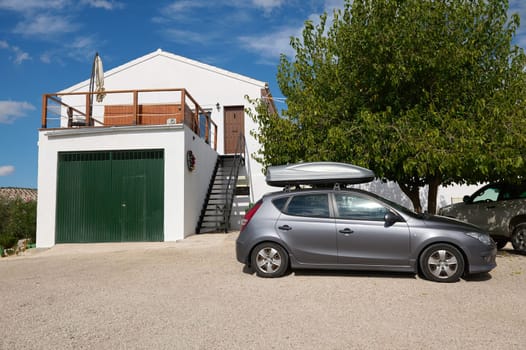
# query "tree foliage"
(423, 92)
(17, 221)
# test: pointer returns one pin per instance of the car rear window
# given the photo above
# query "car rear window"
(314, 205)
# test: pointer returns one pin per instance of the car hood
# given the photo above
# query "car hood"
(451, 207)
(437, 221)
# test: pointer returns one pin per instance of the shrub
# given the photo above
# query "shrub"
(17, 221)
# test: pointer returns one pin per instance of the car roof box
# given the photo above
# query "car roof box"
(316, 173)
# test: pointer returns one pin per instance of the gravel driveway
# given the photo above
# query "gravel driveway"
(194, 295)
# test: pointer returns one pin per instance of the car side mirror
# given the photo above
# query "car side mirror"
(390, 218)
(466, 199)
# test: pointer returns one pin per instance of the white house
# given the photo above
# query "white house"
(135, 163)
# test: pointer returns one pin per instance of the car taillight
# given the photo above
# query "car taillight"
(250, 213)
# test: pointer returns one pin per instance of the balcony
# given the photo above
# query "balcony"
(127, 108)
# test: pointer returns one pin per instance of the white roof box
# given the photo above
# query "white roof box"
(317, 173)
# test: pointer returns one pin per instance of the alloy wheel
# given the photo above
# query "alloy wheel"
(442, 264)
(518, 240)
(268, 260)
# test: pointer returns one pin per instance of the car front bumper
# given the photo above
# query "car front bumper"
(483, 261)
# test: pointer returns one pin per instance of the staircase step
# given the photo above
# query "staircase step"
(220, 190)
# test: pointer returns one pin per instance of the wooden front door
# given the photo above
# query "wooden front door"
(234, 126)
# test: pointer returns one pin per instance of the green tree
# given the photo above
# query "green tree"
(423, 92)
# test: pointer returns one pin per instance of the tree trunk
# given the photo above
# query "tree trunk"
(413, 192)
(432, 195)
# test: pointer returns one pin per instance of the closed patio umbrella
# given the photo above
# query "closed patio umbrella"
(99, 78)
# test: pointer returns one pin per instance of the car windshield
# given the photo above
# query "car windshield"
(486, 194)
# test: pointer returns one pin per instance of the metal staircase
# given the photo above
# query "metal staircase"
(217, 208)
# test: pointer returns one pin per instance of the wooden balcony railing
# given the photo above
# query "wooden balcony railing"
(127, 108)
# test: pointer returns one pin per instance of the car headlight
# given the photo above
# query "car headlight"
(483, 237)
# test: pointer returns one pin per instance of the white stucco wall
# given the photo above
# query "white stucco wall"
(180, 202)
(196, 182)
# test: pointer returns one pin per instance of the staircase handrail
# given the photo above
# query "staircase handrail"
(232, 180)
(249, 173)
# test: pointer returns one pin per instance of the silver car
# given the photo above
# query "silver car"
(357, 230)
(498, 208)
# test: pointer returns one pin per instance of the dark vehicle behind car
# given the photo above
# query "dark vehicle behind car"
(499, 208)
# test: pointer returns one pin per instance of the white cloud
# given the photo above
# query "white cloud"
(82, 47)
(12, 110)
(32, 5)
(45, 24)
(20, 55)
(46, 57)
(6, 170)
(268, 5)
(179, 10)
(103, 4)
(185, 36)
(184, 5)
(273, 44)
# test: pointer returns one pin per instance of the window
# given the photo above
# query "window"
(488, 194)
(513, 191)
(316, 205)
(359, 208)
(279, 203)
(204, 124)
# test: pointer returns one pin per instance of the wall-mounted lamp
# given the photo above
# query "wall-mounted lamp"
(218, 106)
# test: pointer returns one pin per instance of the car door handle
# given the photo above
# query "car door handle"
(491, 207)
(285, 228)
(346, 231)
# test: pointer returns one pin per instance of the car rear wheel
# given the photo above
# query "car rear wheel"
(269, 260)
(442, 263)
(518, 238)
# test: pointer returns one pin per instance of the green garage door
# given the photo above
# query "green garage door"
(110, 196)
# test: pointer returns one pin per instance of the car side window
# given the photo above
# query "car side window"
(514, 192)
(355, 207)
(316, 205)
(488, 194)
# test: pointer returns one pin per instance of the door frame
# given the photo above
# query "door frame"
(225, 127)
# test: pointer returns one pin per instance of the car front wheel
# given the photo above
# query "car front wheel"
(442, 263)
(269, 260)
(518, 238)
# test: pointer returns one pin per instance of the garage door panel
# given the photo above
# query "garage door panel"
(110, 196)
(81, 197)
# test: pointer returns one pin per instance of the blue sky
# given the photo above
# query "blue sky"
(48, 45)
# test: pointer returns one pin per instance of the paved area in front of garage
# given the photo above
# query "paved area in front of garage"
(194, 295)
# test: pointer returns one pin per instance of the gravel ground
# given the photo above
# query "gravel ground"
(194, 295)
